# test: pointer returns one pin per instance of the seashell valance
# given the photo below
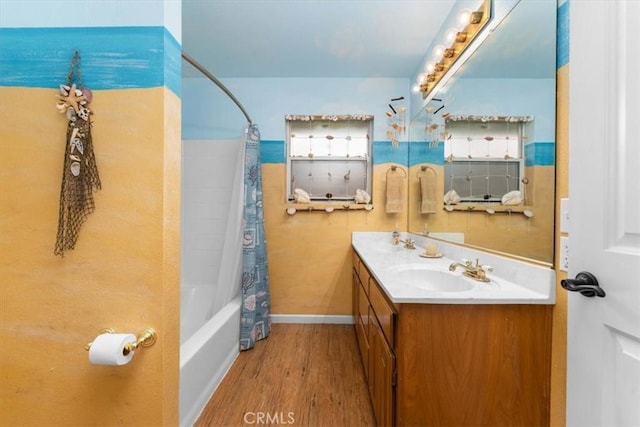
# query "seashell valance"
(476, 118)
(328, 117)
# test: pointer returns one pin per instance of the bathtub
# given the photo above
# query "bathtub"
(205, 358)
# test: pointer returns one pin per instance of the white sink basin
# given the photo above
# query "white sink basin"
(431, 279)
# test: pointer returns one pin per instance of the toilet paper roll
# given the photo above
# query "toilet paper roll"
(108, 349)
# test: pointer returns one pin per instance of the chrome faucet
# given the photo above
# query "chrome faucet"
(476, 272)
(408, 244)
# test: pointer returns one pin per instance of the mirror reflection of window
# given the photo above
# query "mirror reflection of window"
(484, 156)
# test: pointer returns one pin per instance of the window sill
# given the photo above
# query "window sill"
(292, 208)
(482, 207)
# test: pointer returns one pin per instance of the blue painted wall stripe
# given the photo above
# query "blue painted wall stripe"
(422, 153)
(272, 151)
(112, 57)
(536, 153)
(384, 152)
(540, 154)
(563, 35)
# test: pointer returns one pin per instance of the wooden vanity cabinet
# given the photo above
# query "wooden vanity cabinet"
(374, 318)
(453, 364)
(382, 368)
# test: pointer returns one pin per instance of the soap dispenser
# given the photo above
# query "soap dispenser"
(395, 236)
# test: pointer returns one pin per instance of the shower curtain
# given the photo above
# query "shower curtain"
(256, 302)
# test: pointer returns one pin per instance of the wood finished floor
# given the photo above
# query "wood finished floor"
(302, 375)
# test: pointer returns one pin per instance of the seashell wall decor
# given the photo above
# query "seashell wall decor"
(80, 173)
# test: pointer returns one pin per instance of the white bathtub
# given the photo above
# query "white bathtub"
(205, 359)
(211, 268)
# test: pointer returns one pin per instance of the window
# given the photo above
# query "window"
(484, 156)
(329, 157)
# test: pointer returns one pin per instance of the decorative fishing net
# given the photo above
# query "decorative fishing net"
(80, 173)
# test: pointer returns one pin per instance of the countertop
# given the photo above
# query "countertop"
(512, 281)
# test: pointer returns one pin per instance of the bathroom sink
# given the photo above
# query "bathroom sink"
(431, 279)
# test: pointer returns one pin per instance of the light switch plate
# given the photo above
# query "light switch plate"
(564, 253)
(564, 215)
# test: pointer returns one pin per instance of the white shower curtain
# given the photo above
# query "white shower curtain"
(229, 274)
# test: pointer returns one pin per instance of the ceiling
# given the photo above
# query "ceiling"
(310, 38)
(522, 46)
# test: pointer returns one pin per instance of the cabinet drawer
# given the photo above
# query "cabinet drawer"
(384, 311)
(355, 260)
(364, 278)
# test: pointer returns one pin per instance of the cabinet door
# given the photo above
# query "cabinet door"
(371, 368)
(386, 383)
(363, 345)
(354, 296)
(364, 310)
(361, 321)
(383, 365)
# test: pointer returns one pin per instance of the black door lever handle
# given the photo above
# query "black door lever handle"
(585, 283)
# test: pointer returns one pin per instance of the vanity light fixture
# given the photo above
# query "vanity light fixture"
(476, 17)
(445, 59)
(438, 53)
(450, 35)
(464, 18)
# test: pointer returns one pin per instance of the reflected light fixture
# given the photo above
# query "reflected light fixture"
(438, 52)
(471, 25)
(450, 35)
(464, 18)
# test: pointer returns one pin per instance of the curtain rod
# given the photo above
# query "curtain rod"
(218, 83)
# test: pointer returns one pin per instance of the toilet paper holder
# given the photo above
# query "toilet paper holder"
(146, 338)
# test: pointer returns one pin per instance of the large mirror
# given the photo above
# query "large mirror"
(482, 151)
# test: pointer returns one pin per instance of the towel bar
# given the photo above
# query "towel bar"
(393, 168)
(423, 171)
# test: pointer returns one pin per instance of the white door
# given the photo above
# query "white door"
(604, 194)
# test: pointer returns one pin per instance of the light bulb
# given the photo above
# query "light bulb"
(430, 67)
(438, 52)
(450, 35)
(463, 18)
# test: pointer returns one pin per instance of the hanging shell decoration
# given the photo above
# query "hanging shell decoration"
(80, 176)
(73, 102)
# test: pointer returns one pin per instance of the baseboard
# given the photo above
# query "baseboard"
(312, 318)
